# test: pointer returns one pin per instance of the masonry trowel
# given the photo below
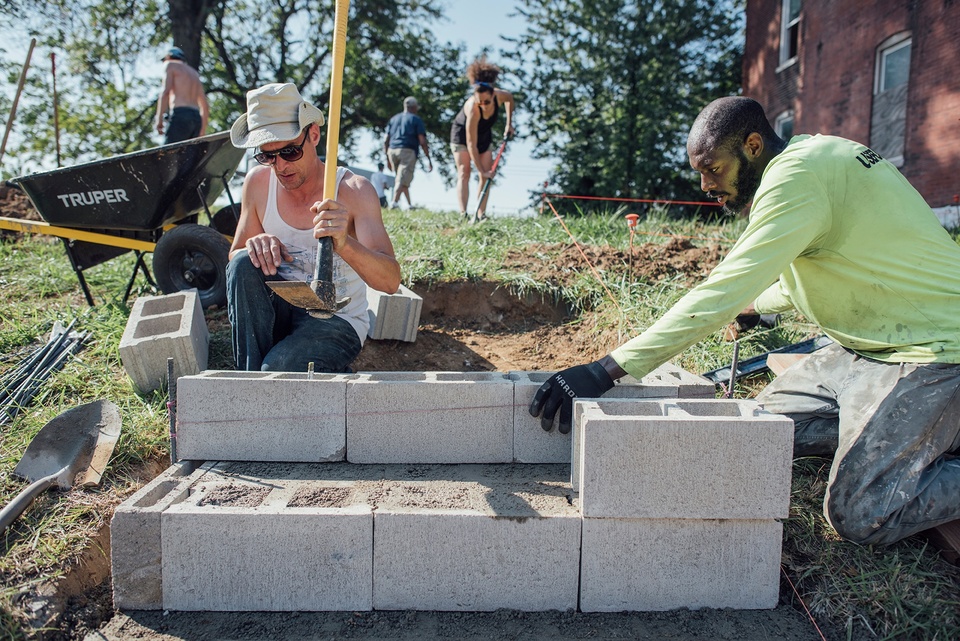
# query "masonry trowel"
(319, 297)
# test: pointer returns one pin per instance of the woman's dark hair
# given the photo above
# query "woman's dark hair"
(482, 72)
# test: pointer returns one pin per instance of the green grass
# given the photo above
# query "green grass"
(904, 591)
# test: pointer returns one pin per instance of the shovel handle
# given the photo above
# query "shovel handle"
(23, 500)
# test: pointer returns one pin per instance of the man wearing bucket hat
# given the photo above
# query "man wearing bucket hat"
(182, 102)
(283, 213)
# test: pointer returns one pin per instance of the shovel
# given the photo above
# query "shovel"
(73, 447)
(319, 298)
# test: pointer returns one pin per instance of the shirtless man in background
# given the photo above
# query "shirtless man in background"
(183, 96)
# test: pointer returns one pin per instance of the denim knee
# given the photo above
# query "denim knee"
(240, 266)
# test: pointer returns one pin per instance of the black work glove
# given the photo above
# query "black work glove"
(749, 321)
(584, 381)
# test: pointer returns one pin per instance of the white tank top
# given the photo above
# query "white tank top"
(302, 246)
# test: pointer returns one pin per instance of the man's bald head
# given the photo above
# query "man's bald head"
(726, 123)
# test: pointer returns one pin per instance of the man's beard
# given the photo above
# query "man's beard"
(746, 184)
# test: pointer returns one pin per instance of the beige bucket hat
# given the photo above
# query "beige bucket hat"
(275, 113)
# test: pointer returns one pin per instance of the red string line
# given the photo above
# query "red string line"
(584, 255)
(805, 608)
(708, 203)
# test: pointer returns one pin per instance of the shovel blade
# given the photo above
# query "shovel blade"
(319, 298)
(76, 445)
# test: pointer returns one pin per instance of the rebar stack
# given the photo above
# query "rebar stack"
(19, 386)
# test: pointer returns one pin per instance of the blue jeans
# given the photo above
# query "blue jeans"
(271, 335)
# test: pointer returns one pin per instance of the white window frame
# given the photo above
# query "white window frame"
(782, 118)
(888, 46)
(786, 24)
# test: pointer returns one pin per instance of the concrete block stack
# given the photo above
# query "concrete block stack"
(162, 327)
(430, 491)
(680, 501)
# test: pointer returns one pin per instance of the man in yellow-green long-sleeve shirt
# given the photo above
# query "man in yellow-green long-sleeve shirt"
(836, 232)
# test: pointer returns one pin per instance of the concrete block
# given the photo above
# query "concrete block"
(666, 564)
(687, 385)
(394, 316)
(135, 537)
(690, 459)
(233, 547)
(261, 416)
(430, 417)
(487, 537)
(532, 445)
(161, 327)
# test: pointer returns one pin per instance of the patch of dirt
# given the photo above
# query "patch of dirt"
(15, 204)
(558, 264)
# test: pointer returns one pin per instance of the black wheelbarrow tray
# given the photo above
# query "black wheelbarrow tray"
(146, 201)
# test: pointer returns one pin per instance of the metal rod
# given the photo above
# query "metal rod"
(172, 410)
(16, 98)
(733, 368)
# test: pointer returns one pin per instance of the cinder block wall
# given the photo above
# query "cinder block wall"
(678, 503)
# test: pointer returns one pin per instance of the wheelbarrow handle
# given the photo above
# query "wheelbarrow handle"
(22, 501)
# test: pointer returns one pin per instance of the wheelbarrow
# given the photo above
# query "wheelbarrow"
(145, 202)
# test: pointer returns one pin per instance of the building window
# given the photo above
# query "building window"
(888, 120)
(783, 125)
(893, 66)
(789, 32)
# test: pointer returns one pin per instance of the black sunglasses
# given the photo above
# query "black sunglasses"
(290, 153)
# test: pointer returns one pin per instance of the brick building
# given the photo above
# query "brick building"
(885, 73)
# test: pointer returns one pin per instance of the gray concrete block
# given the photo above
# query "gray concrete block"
(162, 327)
(430, 417)
(690, 459)
(394, 316)
(531, 444)
(229, 547)
(135, 537)
(486, 537)
(261, 416)
(654, 564)
(688, 385)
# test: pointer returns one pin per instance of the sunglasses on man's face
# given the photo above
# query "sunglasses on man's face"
(290, 153)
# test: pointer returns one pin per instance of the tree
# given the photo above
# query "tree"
(614, 86)
(391, 53)
(107, 102)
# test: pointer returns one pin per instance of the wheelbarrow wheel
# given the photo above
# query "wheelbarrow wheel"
(191, 256)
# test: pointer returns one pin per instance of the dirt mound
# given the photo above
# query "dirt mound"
(559, 263)
(15, 204)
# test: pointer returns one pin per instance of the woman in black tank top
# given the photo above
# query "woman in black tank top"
(471, 134)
